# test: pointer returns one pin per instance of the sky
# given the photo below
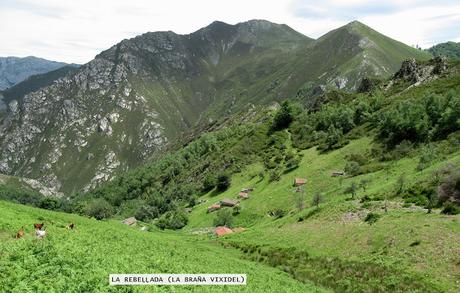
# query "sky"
(74, 31)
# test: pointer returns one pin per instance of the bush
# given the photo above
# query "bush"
(277, 213)
(275, 175)
(209, 182)
(283, 117)
(172, 220)
(292, 160)
(406, 121)
(450, 209)
(371, 218)
(317, 199)
(99, 208)
(146, 213)
(223, 182)
(352, 168)
(352, 190)
(449, 190)
(224, 217)
(421, 194)
(236, 210)
(49, 203)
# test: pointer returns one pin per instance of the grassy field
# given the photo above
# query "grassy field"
(309, 250)
(80, 260)
(407, 249)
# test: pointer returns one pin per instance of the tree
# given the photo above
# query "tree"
(49, 203)
(210, 181)
(364, 183)
(352, 189)
(400, 184)
(223, 182)
(146, 213)
(300, 197)
(99, 208)
(317, 199)
(352, 168)
(224, 217)
(174, 220)
(283, 117)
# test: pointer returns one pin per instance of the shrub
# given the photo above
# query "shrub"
(334, 138)
(209, 182)
(429, 155)
(223, 217)
(275, 175)
(283, 117)
(49, 203)
(449, 190)
(99, 208)
(407, 120)
(146, 213)
(352, 189)
(420, 194)
(299, 198)
(236, 210)
(223, 182)
(277, 213)
(400, 184)
(415, 243)
(450, 209)
(292, 160)
(317, 199)
(371, 218)
(172, 220)
(352, 168)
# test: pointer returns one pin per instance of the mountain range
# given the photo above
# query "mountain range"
(13, 70)
(139, 96)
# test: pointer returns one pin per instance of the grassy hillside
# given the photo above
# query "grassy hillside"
(401, 250)
(81, 260)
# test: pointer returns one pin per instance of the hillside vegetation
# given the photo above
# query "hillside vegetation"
(450, 50)
(81, 260)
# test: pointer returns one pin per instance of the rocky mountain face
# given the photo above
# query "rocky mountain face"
(14, 69)
(133, 99)
(34, 83)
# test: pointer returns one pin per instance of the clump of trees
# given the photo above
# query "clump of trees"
(428, 118)
(99, 208)
(172, 220)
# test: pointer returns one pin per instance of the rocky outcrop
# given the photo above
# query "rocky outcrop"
(415, 73)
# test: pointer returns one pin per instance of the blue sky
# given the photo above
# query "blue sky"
(75, 31)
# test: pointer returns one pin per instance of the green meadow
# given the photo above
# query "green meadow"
(81, 260)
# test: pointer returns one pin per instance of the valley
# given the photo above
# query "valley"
(311, 165)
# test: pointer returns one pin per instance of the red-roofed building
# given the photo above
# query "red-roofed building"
(300, 181)
(222, 230)
(213, 208)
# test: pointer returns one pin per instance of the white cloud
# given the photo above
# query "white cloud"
(75, 31)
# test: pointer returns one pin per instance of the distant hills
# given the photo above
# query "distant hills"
(449, 50)
(16, 69)
(35, 82)
(142, 94)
